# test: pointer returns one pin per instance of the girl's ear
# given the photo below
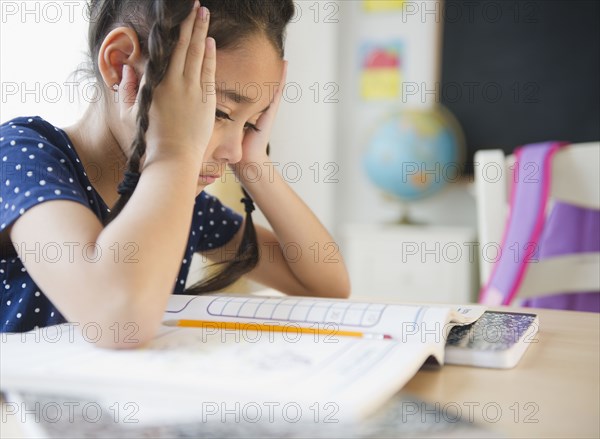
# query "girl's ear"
(121, 46)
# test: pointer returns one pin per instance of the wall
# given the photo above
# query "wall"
(42, 43)
(305, 135)
(418, 25)
(323, 125)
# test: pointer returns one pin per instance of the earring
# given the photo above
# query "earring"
(115, 88)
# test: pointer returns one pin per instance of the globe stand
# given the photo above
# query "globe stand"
(405, 217)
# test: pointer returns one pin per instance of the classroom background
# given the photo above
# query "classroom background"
(367, 73)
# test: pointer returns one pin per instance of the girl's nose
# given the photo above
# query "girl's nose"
(229, 147)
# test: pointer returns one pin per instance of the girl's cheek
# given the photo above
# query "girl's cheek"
(208, 154)
(212, 146)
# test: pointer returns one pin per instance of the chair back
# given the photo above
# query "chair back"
(538, 222)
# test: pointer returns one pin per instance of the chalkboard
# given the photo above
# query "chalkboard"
(517, 72)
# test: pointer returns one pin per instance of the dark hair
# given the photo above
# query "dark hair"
(157, 24)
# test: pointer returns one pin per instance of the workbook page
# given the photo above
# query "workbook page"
(421, 324)
(203, 366)
(200, 369)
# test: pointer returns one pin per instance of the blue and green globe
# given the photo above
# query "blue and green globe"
(415, 153)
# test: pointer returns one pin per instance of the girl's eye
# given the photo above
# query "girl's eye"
(252, 127)
(220, 115)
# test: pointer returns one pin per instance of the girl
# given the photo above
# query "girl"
(171, 120)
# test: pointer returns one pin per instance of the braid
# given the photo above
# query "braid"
(246, 257)
(161, 42)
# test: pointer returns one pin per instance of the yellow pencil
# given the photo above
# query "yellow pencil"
(287, 328)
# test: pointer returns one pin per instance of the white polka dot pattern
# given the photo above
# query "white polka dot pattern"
(39, 164)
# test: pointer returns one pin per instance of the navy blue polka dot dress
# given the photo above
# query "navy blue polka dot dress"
(38, 163)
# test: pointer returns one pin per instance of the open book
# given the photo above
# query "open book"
(190, 372)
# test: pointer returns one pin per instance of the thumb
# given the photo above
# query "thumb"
(128, 88)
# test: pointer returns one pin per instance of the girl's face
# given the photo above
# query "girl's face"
(246, 80)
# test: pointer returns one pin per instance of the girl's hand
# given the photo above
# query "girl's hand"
(182, 113)
(254, 145)
(127, 96)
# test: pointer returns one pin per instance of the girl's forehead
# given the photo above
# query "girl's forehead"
(253, 62)
(252, 71)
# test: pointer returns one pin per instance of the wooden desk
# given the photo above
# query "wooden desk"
(553, 392)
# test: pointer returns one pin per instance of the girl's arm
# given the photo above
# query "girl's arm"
(105, 288)
(299, 256)
(307, 260)
(121, 274)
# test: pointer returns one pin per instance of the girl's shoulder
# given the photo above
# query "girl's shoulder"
(18, 125)
(39, 164)
(25, 139)
(32, 129)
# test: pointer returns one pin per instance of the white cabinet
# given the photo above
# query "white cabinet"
(411, 263)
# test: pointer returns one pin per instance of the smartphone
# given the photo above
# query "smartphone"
(497, 340)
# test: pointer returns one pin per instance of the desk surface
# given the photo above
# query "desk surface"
(554, 391)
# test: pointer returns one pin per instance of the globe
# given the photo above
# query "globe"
(413, 154)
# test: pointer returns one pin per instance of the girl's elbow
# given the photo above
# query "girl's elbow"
(339, 289)
(125, 332)
(134, 338)
(343, 286)
(131, 322)
(343, 291)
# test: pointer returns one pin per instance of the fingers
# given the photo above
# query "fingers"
(267, 119)
(128, 97)
(279, 92)
(179, 56)
(209, 66)
(197, 49)
(128, 88)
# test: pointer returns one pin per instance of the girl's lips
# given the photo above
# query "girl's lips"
(207, 179)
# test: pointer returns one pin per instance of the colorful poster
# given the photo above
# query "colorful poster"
(382, 5)
(381, 70)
